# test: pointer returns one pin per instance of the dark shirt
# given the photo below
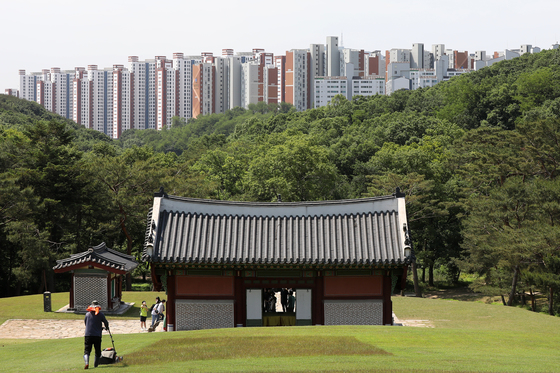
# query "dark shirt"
(284, 296)
(291, 302)
(94, 324)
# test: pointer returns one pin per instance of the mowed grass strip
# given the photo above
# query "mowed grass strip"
(250, 347)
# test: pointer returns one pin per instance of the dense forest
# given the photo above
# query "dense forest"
(477, 156)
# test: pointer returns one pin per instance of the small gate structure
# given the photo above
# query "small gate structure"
(96, 274)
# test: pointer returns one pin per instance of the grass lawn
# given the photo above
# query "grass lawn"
(467, 337)
(31, 306)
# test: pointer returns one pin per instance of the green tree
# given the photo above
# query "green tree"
(226, 167)
(294, 168)
(128, 182)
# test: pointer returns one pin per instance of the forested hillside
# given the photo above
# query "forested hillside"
(477, 156)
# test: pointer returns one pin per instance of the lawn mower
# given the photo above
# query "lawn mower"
(109, 355)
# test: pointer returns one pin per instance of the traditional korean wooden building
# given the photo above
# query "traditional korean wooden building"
(217, 260)
(97, 274)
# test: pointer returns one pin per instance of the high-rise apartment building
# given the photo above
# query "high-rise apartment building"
(221, 85)
(28, 85)
(374, 63)
(329, 86)
(44, 91)
(461, 60)
(417, 56)
(80, 97)
(298, 82)
(251, 84)
(370, 85)
(234, 71)
(438, 50)
(356, 57)
(54, 91)
(280, 63)
(101, 99)
(203, 89)
(270, 84)
(143, 92)
(333, 56)
(123, 100)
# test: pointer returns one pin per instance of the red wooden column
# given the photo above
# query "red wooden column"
(71, 305)
(119, 285)
(318, 305)
(387, 303)
(170, 307)
(240, 301)
(109, 303)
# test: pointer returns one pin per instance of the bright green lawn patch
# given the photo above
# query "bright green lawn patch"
(185, 349)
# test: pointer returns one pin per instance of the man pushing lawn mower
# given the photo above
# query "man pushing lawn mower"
(94, 320)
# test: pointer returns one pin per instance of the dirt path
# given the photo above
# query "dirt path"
(57, 329)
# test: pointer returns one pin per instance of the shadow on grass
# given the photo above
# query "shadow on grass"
(188, 349)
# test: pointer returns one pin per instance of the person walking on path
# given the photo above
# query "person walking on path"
(94, 321)
(143, 315)
(155, 311)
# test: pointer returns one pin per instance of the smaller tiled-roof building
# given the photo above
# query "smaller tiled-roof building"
(226, 264)
(97, 274)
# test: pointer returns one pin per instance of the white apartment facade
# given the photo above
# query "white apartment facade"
(327, 87)
(249, 84)
(370, 85)
(123, 103)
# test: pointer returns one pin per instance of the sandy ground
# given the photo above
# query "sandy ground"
(56, 329)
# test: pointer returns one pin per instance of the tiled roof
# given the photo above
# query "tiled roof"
(276, 233)
(100, 255)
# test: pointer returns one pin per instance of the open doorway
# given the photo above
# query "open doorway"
(279, 300)
(278, 307)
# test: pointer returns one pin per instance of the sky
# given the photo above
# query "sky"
(40, 34)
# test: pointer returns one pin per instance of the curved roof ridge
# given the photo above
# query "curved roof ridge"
(102, 255)
(300, 203)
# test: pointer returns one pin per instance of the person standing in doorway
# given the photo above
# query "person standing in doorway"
(291, 302)
(284, 298)
(94, 321)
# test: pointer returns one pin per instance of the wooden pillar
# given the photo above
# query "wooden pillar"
(71, 304)
(240, 301)
(387, 303)
(171, 298)
(109, 304)
(318, 305)
(119, 286)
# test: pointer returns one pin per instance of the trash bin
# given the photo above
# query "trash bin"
(170, 327)
(47, 301)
